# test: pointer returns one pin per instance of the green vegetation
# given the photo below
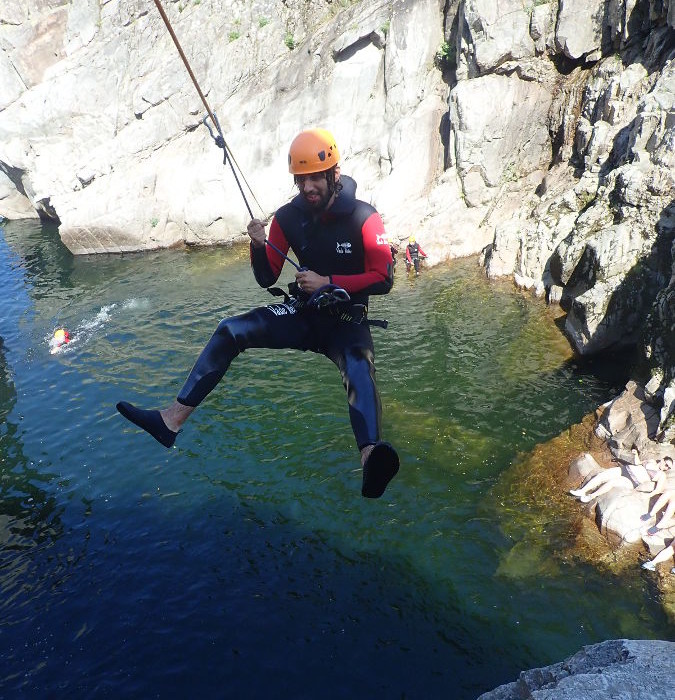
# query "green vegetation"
(385, 28)
(235, 33)
(290, 42)
(154, 221)
(585, 199)
(263, 22)
(531, 4)
(337, 7)
(445, 57)
(510, 173)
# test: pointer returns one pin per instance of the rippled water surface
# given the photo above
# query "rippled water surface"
(244, 563)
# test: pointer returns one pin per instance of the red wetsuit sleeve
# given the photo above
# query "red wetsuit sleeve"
(422, 253)
(266, 262)
(277, 239)
(377, 261)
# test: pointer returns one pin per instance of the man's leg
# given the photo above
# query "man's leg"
(365, 408)
(261, 327)
(353, 354)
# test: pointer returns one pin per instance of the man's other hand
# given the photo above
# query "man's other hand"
(256, 231)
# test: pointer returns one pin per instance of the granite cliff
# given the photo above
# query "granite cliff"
(538, 133)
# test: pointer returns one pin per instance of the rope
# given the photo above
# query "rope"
(220, 140)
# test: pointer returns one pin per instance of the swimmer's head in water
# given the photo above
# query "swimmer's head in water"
(60, 337)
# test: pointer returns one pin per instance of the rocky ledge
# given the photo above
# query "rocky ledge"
(627, 489)
(622, 668)
(631, 499)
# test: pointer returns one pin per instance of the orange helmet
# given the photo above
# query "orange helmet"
(312, 151)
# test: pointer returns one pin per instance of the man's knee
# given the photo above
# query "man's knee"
(359, 366)
(239, 330)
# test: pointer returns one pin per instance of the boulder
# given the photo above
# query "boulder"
(621, 668)
(579, 28)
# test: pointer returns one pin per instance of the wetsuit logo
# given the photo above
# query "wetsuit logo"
(344, 248)
(282, 309)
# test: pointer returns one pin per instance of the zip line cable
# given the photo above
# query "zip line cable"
(220, 140)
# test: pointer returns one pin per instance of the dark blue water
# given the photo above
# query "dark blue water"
(244, 563)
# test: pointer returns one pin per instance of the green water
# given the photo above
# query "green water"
(244, 563)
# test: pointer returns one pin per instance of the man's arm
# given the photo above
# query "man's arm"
(378, 276)
(265, 261)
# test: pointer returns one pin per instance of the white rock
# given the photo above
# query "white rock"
(579, 27)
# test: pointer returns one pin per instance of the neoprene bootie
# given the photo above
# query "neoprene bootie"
(150, 421)
(380, 467)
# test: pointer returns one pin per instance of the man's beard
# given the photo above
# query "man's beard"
(321, 203)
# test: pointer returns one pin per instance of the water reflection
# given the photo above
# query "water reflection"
(30, 516)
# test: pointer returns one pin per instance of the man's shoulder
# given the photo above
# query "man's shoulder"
(365, 206)
(363, 210)
(349, 206)
(348, 186)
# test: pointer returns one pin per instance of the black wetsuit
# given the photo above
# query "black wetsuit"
(346, 243)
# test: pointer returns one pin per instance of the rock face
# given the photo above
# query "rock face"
(622, 668)
(541, 133)
(100, 128)
(101, 125)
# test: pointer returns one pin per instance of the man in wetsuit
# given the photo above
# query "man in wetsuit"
(344, 257)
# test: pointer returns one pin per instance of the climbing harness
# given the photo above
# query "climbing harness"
(328, 295)
(330, 300)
